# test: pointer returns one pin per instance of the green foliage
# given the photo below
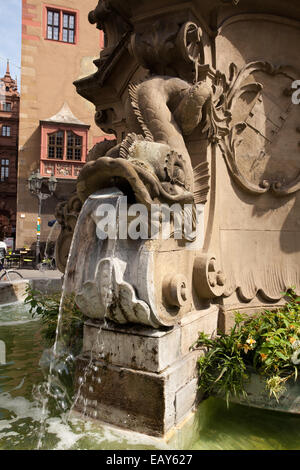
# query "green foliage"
(47, 307)
(268, 343)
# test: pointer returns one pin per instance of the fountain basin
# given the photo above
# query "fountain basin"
(213, 427)
(11, 292)
(258, 397)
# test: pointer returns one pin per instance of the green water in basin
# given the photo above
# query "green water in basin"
(215, 426)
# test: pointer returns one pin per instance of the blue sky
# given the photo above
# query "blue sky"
(10, 36)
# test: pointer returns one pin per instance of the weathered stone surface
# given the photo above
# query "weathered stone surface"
(47, 286)
(16, 291)
(205, 320)
(134, 399)
(227, 312)
(140, 378)
(144, 348)
(124, 397)
(258, 397)
(12, 292)
(185, 400)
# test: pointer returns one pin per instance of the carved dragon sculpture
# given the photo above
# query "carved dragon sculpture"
(153, 159)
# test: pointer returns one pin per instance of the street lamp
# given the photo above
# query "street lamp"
(35, 182)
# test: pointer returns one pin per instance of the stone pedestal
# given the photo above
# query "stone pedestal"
(138, 378)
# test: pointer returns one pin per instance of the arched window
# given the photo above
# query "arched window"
(56, 145)
(74, 147)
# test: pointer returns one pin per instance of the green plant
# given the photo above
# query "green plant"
(268, 343)
(48, 308)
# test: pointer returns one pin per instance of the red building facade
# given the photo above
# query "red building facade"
(9, 128)
(58, 47)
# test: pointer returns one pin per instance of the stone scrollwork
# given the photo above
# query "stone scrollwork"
(175, 290)
(190, 44)
(209, 280)
(168, 50)
(227, 129)
(110, 296)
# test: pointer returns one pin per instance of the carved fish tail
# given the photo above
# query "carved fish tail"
(126, 144)
(133, 89)
(201, 183)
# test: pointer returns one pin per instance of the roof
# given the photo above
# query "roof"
(65, 116)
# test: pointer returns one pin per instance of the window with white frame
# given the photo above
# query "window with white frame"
(6, 131)
(74, 146)
(61, 26)
(56, 145)
(4, 169)
(6, 106)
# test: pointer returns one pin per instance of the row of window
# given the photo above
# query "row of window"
(6, 106)
(61, 26)
(56, 145)
(4, 169)
(6, 131)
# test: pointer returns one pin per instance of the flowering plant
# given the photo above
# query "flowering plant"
(268, 343)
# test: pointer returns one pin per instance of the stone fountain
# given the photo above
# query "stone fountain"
(199, 97)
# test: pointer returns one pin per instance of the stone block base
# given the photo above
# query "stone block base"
(141, 379)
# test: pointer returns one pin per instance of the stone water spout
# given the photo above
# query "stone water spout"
(124, 280)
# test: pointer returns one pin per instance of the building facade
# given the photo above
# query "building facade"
(57, 127)
(9, 124)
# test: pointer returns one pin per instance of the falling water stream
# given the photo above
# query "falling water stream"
(36, 413)
(50, 238)
(58, 348)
